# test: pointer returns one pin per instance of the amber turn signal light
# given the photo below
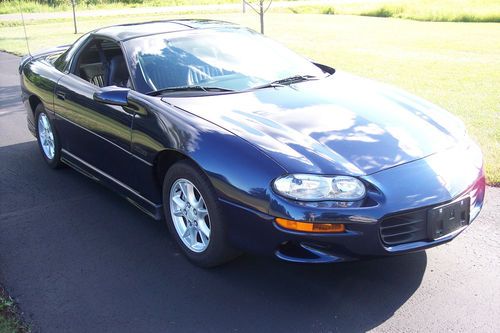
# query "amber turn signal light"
(310, 227)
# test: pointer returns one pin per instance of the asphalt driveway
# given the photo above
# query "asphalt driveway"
(78, 258)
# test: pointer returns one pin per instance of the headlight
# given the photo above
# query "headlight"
(315, 188)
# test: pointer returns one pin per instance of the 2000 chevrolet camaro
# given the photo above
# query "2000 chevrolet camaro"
(243, 145)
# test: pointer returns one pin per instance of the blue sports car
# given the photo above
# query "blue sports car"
(242, 145)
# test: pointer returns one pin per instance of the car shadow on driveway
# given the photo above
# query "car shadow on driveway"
(79, 258)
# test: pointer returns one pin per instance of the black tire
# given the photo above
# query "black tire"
(218, 251)
(55, 161)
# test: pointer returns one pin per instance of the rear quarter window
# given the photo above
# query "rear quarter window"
(63, 61)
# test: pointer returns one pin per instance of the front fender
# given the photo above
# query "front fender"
(240, 172)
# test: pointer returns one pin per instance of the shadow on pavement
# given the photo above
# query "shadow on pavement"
(79, 258)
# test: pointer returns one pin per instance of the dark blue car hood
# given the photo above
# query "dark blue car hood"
(338, 125)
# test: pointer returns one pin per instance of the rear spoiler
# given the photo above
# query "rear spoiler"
(43, 53)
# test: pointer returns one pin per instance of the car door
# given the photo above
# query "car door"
(97, 135)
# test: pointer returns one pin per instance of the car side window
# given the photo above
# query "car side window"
(63, 61)
(102, 63)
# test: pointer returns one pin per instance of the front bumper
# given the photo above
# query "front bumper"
(417, 186)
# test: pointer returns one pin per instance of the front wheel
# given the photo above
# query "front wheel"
(48, 141)
(194, 217)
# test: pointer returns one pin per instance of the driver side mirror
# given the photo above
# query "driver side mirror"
(112, 95)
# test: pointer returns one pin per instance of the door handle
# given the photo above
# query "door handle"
(61, 95)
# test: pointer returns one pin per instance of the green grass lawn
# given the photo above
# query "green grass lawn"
(30, 6)
(455, 65)
(421, 10)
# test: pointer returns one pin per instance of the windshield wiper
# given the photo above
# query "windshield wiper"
(287, 81)
(187, 88)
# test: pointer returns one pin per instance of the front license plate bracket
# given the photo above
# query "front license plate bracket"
(448, 218)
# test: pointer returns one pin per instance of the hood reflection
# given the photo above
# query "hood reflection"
(339, 125)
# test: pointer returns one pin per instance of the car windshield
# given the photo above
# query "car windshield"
(214, 60)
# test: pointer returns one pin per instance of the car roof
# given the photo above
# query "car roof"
(124, 32)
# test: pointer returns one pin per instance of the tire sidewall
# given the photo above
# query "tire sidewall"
(218, 249)
(56, 161)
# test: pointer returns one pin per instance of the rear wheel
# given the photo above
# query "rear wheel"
(194, 217)
(48, 141)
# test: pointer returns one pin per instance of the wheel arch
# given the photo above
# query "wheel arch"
(34, 101)
(165, 159)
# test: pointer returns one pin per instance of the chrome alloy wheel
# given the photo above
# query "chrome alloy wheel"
(190, 215)
(46, 136)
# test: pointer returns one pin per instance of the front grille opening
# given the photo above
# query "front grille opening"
(404, 228)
